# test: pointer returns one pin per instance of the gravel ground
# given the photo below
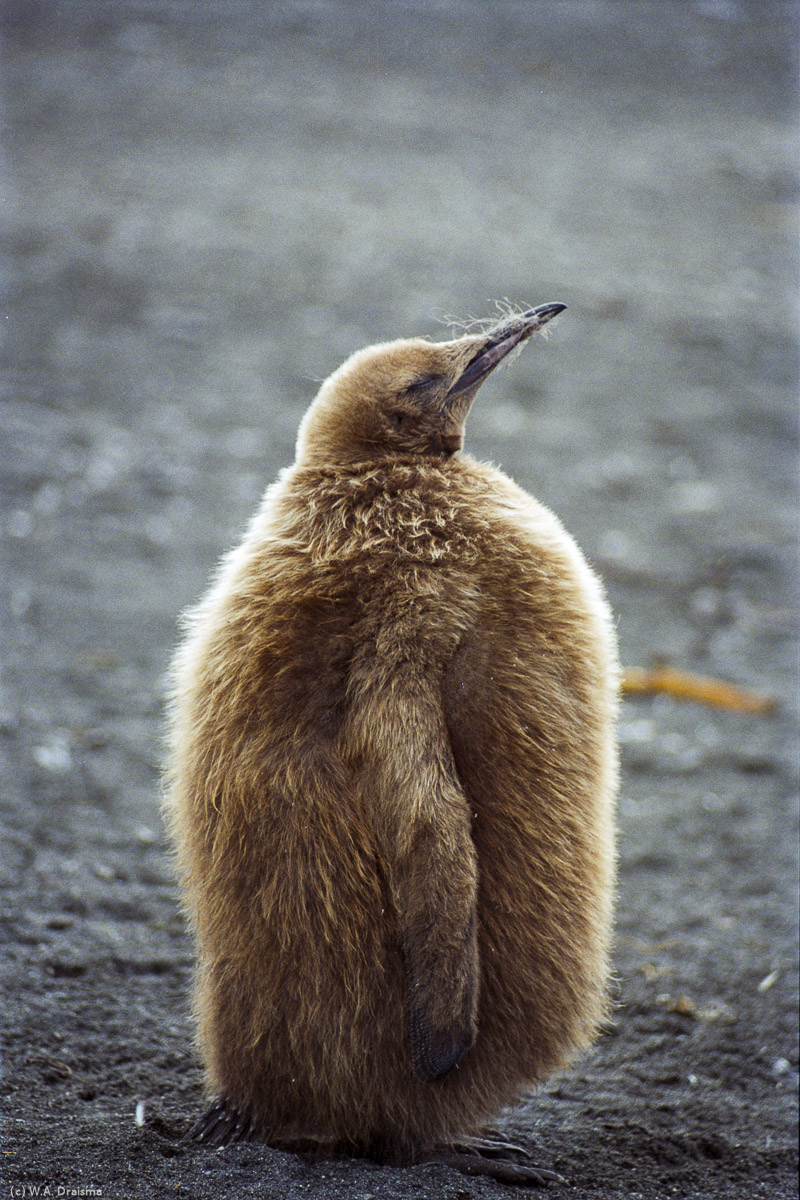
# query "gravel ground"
(206, 208)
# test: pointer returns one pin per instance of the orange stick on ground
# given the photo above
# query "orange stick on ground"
(684, 685)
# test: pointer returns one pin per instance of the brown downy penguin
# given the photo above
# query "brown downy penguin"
(392, 778)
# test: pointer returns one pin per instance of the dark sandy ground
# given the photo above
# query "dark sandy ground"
(205, 208)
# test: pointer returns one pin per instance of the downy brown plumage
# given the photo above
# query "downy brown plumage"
(392, 776)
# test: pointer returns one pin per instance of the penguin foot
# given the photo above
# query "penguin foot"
(491, 1144)
(223, 1124)
(494, 1157)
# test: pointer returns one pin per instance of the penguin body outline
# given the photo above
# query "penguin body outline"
(392, 781)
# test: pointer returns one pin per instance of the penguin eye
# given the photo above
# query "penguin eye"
(421, 384)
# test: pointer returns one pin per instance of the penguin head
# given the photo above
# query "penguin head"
(408, 398)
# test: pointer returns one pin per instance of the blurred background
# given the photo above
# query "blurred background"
(209, 206)
(206, 207)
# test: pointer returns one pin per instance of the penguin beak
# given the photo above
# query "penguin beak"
(498, 343)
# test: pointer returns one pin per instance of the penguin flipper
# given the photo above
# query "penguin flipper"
(435, 894)
(425, 826)
(434, 1052)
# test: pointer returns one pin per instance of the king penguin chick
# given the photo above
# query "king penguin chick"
(392, 778)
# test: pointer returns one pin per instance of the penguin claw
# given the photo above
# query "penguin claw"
(473, 1161)
(223, 1124)
(491, 1145)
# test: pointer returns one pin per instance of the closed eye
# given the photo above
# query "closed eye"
(422, 383)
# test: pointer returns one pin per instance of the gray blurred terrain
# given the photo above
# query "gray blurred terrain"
(205, 208)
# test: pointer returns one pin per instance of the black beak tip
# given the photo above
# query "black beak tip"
(545, 312)
(501, 341)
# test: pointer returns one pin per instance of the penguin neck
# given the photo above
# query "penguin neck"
(395, 470)
(396, 509)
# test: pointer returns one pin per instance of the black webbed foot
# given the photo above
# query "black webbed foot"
(223, 1124)
(491, 1145)
(494, 1157)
